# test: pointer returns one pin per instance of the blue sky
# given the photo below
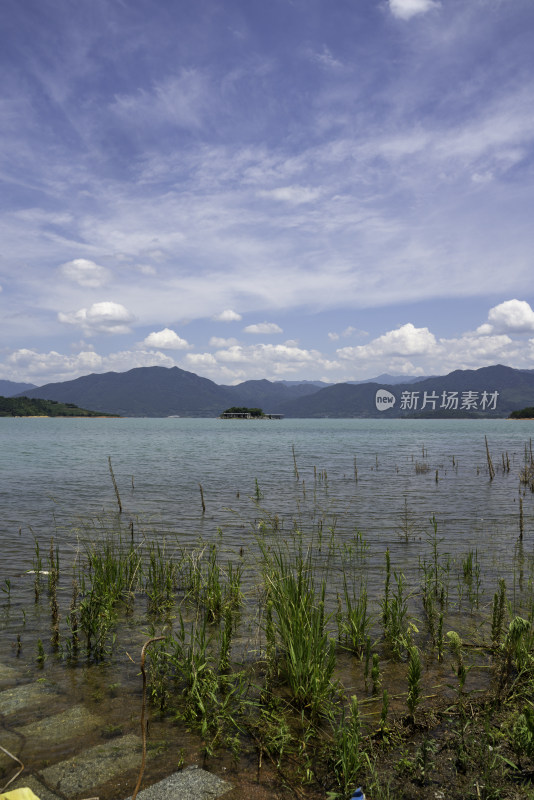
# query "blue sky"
(293, 189)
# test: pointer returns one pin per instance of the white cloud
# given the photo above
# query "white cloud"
(85, 272)
(349, 331)
(472, 351)
(405, 9)
(128, 359)
(263, 327)
(31, 365)
(325, 58)
(407, 340)
(294, 195)
(219, 341)
(261, 361)
(166, 339)
(104, 317)
(201, 359)
(511, 316)
(182, 100)
(53, 365)
(227, 316)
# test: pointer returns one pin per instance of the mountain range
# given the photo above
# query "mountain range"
(11, 388)
(161, 392)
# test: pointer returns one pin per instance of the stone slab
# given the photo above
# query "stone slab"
(191, 783)
(76, 721)
(20, 697)
(8, 675)
(8, 765)
(35, 785)
(81, 774)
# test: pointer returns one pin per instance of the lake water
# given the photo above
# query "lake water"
(372, 482)
(54, 473)
(55, 477)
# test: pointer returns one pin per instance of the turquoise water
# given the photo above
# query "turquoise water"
(55, 475)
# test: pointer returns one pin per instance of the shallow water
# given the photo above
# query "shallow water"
(54, 472)
(367, 484)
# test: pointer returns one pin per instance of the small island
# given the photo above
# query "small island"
(27, 407)
(241, 412)
(524, 413)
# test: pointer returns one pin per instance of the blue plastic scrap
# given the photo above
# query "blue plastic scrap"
(358, 794)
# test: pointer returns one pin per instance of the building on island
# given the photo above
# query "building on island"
(248, 415)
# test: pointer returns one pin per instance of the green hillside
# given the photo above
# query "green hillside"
(26, 407)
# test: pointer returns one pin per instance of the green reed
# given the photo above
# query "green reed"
(354, 623)
(161, 580)
(307, 654)
(348, 757)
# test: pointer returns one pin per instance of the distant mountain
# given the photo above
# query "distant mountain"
(319, 384)
(268, 394)
(462, 393)
(161, 392)
(385, 378)
(391, 380)
(144, 392)
(11, 388)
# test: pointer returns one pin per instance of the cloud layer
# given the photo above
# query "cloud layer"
(358, 183)
(405, 350)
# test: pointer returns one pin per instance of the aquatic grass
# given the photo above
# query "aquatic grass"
(348, 758)
(161, 580)
(456, 648)
(109, 574)
(407, 525)
(398, 628)
(209, 584)
(516, 650)
(414, 682)
(73, 643)
(307, 655)
(498, 612)
(471, 576)
(354, 622)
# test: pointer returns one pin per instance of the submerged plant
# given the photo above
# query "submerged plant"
(347, 755)
(497, 617)
(398, 629)
(515, 648)
(414, 681)
(455, 644)
(375, 674)
(355, 622)
(407, 524)
(307, 654)
(522, 734)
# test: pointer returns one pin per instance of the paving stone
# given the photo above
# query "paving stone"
(82, 774)
(14, 744)
(35, 785)
(20, 697)
(8, 675)
(76, 721)
(191, 783)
